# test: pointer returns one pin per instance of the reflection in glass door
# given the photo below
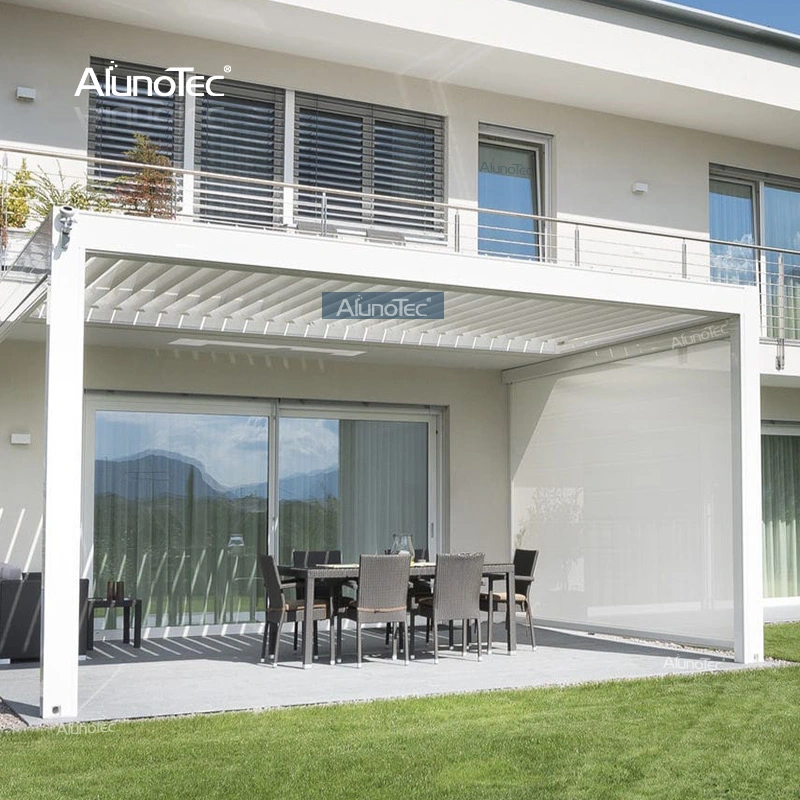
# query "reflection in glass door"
(508, 180)
(782, 230)
(733, 221)
(180, 512)
(349, 484)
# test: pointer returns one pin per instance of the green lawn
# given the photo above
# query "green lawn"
(783, 641)
(725, 735)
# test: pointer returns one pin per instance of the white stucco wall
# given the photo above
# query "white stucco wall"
(476, 401)
(779, 404)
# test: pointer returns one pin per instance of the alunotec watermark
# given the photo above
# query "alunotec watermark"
(707, 334)
(183, 83)
(81, 728)
(383, 305)
(691, 664)
(515, 170)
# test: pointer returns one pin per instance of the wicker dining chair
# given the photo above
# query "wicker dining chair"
(456, 595)
(524, 568)
(280, 610)
(323, 590)
(382, 597)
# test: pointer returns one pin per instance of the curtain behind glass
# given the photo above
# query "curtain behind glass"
(782, 230)
(780, 463)
(180, 513)
(732, 220)
(350, 484)
(384, 484)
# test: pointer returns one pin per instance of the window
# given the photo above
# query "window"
(241, 135)
(350, 147)
(510, 192)
(113, 121)
(752, 209)
(780, 464)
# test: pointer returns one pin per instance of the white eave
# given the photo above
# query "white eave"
(659, 63)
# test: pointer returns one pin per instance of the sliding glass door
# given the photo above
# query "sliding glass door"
(180, 498)
(780, 463)
(349, 484)
(180, 512)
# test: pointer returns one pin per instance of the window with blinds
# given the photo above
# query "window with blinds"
(240, 135)
(113, 121)
(350, 148)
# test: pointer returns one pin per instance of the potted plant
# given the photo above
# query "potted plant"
(49, 192)
(149, 190)
(15, 208)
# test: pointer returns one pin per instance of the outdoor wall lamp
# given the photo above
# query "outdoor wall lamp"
(64, 223)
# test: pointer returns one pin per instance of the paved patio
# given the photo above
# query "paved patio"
(222, 673)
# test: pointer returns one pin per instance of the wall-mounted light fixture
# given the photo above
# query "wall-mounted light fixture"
(26, 94)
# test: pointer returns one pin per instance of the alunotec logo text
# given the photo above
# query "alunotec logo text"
(183, 83)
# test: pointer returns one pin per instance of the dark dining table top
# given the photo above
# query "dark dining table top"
(419, 569)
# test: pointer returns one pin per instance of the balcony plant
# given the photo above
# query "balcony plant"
(15, 202)
(149, 190)
(49, 192)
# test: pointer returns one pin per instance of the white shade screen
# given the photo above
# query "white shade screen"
(622, 478)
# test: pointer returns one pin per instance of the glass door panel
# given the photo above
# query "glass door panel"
(508, 180)
(733, 221)
(782, 230)
(180, 513)
(349, 484)
(780, 459)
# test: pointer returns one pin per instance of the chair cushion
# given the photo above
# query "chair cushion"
(297, 605)
(8, 572)
(500, 597)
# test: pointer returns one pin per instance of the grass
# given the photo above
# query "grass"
(782, 640)
(726, 735)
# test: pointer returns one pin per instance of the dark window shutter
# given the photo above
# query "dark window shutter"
(358, 147)
(241, 135)
(114, 120)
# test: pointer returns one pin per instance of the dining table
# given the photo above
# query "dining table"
(427, 569)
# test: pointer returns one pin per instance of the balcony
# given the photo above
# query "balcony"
(201, 198)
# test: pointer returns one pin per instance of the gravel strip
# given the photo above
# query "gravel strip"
(9, 721)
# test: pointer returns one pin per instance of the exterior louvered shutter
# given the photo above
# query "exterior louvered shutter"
(241, 135)
(356, 147)
(113, 121)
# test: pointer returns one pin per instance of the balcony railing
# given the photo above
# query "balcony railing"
(193, 197)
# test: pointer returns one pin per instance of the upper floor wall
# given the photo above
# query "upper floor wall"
(594, 158)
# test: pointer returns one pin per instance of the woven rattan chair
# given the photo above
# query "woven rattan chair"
(456, 595)
(280, 610)
(323, 591)
(524, 567)
(382, 597)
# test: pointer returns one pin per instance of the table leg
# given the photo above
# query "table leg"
(126, 624)
(511, 614)
(90, 625)
(308, 625)
(137, 624)
(490, 617)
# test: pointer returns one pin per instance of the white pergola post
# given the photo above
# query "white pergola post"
(748, 594)
(62, 497)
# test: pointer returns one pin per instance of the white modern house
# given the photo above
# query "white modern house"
(606, 193)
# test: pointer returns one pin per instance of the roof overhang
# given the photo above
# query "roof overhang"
(162, 291)
(692, 70)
